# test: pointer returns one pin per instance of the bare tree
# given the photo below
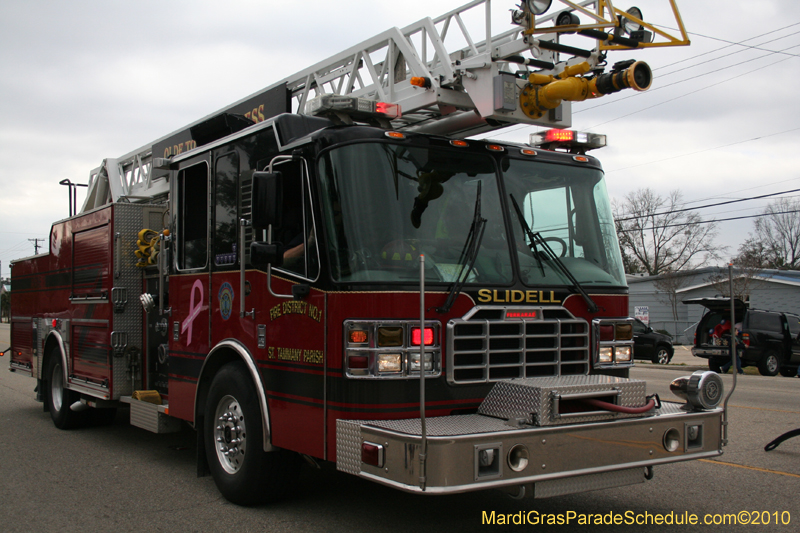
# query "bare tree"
(775, 242)
(744, 277)
(661, 236)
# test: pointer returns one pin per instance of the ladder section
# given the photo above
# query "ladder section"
(460, 89)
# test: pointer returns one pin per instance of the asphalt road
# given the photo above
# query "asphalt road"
(121, 478)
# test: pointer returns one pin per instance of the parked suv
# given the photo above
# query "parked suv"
(649, 344)
(771, 339)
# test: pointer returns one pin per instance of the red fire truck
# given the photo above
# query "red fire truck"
(331, 269)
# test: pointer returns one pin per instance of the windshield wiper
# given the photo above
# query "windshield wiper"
(536, 238)
(468, 254)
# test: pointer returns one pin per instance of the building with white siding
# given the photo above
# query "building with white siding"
(772, 290)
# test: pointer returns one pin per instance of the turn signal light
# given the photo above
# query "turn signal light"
(419, 81)
(358, 336)
(624, 332)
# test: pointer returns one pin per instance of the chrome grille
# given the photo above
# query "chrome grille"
(483, 346)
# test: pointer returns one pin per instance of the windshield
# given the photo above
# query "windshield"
(568, 206)
(387, 204)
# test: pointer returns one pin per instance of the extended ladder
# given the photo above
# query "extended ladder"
(472, 88)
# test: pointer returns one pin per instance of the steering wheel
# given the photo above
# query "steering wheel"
(560, 241)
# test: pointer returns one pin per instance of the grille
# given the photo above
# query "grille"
(484, 347)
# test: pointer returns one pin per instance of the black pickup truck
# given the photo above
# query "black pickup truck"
(771, 339)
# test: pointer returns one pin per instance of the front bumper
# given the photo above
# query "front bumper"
(561, 459)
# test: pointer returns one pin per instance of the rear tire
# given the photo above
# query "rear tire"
(233, 433)
(769, 364)
(59, 398)
(715, 366)
(788, 372)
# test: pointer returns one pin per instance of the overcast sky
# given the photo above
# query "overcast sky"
(85, 80)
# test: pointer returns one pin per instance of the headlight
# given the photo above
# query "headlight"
(389, 362)
(623, 353)
(606, 354)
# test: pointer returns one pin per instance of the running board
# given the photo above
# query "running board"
(152, 417)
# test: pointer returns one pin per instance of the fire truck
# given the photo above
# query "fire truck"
(336, 269)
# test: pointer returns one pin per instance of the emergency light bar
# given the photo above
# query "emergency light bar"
(354, 107)
(574, 141)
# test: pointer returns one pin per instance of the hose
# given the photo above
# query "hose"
(651, 404)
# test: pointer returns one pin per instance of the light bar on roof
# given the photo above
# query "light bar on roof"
(555, 138)
(352, 106)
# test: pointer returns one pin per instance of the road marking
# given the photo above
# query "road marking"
(762, 409)
(757, 469)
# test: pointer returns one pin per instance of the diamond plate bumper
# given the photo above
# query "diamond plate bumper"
(561, 459)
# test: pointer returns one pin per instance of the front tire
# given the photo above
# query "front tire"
(233, 432)
(769, 364)
(59, 398)
(663, 356)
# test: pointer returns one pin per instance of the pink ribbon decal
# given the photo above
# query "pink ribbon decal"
(195, 310)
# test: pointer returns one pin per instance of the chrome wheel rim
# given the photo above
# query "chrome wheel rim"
(772, 363)
(230, 434)
(57, 387)
(663, 357)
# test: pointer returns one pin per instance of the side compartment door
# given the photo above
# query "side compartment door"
(90, 350)
(188, 284)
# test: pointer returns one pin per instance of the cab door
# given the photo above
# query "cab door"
(189, 284)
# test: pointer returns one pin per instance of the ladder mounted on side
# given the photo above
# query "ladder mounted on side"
(525, 75)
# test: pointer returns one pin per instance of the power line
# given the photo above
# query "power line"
(750, 72)
(745, 45)
(693, 78)
(742, 190)
(706, 206)
(725, 47)
(769, 52)
(704, 150)
(698, 222)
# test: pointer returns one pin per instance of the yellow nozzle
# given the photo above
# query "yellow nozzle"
(540, 94)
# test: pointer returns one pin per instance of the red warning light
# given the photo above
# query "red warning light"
(390, 110)
(559, 136)
(416, 336)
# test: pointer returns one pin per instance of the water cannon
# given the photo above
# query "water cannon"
(544, 91)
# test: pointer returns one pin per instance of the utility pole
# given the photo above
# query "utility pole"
(35, 245)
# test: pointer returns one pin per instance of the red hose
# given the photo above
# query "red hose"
(651, 403)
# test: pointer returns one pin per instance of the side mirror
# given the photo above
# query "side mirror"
(263, 254)
(267, 199)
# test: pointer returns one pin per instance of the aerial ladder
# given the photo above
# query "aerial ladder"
(488, 81)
